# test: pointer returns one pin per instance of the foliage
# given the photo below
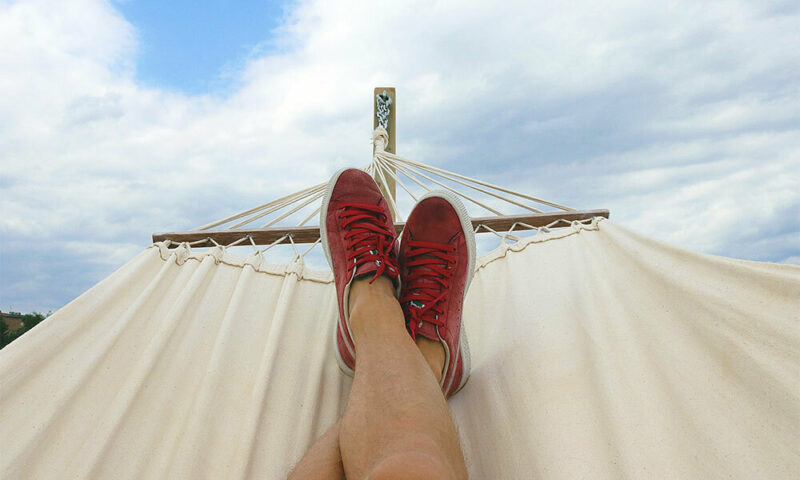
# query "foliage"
(29, 320)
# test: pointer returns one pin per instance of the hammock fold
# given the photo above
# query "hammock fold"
(596, 353)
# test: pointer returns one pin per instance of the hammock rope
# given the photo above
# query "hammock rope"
(388, 170)
(386, 166)
(299, 256)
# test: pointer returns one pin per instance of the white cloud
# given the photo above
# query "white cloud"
(680, 117)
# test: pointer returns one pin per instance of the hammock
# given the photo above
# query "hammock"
(596, 353)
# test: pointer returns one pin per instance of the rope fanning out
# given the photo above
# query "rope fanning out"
(379, 170)
(387, 169)
(462, 195)
(487, 192)
(385, 166)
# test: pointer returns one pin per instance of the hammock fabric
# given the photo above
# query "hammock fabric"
(596, 353)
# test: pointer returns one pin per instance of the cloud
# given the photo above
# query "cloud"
(682, 118)
(87, 109)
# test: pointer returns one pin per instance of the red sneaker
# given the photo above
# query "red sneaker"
(437, 260)
(358, 237)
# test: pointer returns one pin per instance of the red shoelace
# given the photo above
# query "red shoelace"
(368, 239)
(430, 266)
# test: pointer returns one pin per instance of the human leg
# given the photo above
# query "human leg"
(396, 422)
(433, 352)
(323, 460)
(396, 418)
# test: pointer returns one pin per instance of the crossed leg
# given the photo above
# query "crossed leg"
(396, 423)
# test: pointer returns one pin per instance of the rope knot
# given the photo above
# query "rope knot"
(380, 138)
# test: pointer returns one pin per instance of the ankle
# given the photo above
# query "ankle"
(433, 352)
(369, 303)
(366, 289)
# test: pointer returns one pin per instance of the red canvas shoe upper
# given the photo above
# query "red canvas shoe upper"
(436, 268)
(358, 237)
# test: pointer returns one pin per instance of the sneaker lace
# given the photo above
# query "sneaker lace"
(368, 238)
(430, 266)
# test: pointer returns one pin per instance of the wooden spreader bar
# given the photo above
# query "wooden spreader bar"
(266, 236)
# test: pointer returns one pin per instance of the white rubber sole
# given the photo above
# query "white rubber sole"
(469, 236)
(323, 234)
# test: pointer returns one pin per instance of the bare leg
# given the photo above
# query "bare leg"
(323, 460)
(433, 352)
(397, 423)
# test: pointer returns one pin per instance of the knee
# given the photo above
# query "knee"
(412, 466)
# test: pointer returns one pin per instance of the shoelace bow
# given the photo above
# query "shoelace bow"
(368, 239)
(430, 266)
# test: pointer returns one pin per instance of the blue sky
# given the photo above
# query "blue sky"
(120, 119)
(195, 47)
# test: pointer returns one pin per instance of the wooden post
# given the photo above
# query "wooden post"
(390, 147)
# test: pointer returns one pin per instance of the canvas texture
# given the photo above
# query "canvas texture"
(596, 353)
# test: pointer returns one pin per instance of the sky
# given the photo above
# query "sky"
(123, 118)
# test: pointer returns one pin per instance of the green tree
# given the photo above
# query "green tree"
(5, 335)
(29, 320)
(32, 319)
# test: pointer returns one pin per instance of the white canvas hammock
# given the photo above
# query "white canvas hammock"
(596, 353)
